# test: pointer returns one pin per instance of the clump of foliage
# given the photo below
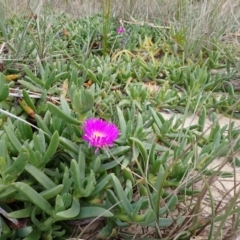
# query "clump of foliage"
(53, 185)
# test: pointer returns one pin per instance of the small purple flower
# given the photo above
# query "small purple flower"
(99, 133)
(121, 30)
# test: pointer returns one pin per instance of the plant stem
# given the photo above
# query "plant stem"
(106, 18)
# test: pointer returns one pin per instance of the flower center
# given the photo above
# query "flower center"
(98, 134)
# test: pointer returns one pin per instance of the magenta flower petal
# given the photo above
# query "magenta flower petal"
(99, 133)
(121, 30)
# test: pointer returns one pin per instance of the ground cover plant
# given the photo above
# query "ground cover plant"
(84, 137)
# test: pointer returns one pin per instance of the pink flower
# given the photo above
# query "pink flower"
(121, 30)
(99, 133)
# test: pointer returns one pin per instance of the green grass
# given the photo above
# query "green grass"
(60, 69)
